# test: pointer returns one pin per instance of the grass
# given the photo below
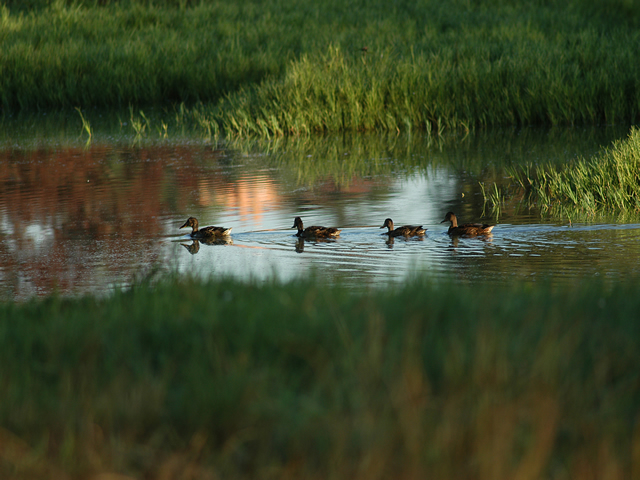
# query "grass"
(188, 379)
(63, 56)
(309, 381)
(274, 68)
(450, 88)
(605, 185)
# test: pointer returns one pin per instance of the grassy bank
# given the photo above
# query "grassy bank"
(277, 67)
(310, 381)
(605, 185)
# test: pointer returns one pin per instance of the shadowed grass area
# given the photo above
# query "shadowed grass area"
(276, 67)
(304, 380)
(606, 185)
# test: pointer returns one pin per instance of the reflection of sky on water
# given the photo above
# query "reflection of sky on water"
(419, 198)
(58, 231)
(263, 203)
(361, 255)
(364, 257)
(39, 236)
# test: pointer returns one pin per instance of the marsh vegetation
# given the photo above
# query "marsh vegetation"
(525, 374)
(308, 380)
(297, 67)
(606, 185)
(353, 369)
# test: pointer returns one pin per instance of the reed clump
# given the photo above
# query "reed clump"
(607, 184)
(310, 381)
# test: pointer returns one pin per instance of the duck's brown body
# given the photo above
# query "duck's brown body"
(314, 231)
(466, 230)
(205, 232)
(404, 231)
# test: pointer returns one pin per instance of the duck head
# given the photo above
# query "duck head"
(388, 223)
(191, 222)
(297, 223)
(450, 217)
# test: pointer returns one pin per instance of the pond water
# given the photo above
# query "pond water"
(79, 219)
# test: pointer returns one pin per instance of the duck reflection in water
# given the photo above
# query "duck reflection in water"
(300, 241)
(194, 246)
(391, 240)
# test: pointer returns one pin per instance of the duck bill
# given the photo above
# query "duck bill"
(185, 224)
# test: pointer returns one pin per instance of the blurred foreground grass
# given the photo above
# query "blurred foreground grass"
(191, 379)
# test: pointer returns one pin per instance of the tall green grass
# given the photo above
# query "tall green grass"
(476, 83)
(607, 184)
(117, 55)
(275, 67)
(310, 381)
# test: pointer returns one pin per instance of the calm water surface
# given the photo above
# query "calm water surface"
(87, 219)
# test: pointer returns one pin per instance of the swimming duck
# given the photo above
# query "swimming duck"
(468, 229)
(404, 231)
(314, 232)
(205, 232)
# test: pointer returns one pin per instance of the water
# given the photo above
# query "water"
(82, 219)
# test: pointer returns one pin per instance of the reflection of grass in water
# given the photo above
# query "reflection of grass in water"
(606, 185)
(493, 198)
(481, 157)
(306, 380)
(343, 159)
(477, 157)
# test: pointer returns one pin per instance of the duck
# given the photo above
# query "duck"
(468, 229)
(314, 231)
(205, 232)
(404, 231)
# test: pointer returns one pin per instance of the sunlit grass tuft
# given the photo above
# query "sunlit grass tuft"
(86, 126)
(607, 184)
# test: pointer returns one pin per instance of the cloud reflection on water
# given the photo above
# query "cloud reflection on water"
(80, 220)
